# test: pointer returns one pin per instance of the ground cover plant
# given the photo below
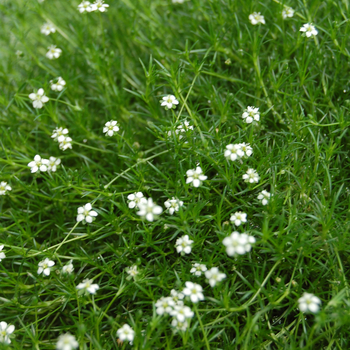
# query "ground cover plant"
(174, 174)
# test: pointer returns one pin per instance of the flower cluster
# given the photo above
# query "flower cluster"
(197, 269)
(264, 196)
(238, 151)
(238, 218)
(251, 114)
(181, 129)
(173, 205)
(238, 243)
(42, 165)
(58, 85)
(98, 5)
(60, 135)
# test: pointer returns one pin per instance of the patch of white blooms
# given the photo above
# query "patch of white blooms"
(60, 135)
(98, 5)
(287, 12)
(251, 176)
(66, 342)
(45, 267)
(4, 187)
(47, 29)
(256, 18)
(58, 85)
(38, 98)
(238, 218)
(87, 286)
(181, 130)
(251, 114)
(173, 205)
(309, 30)
(194, 291)
(39, 164)
(264, 196)
(86, 214)
(238, 243)
(110, 128)
(2, 254)
(149, 210)
(5, 331)
(169, 102)
(184, 245)
(195, 176)
(135, 199)
(53, 53)
(309, 303)
(214, 276)
(165, 305)
(198, 269)
(126, 333)
(233, 152)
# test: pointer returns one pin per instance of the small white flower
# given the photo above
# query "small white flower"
(247, 149)
(197, 269)
(178, 1)
(66, 342)
(169, 102)
(132, 271)
(54, 52)
(44, 267)
(38, 164)
(4, 187)
(135, 199)
(309, 303)
(53, 164)
(194, 291)
(48, 28)
(86, 213)
(68, 268)
(184, 127)
(250, 114)
(164, 305)
(183, 245)
(233, 152)
(5, 331)
(309, 30)
(88, 286)
(65, 143)
(176, 296)
(38, 98)
(85, 6)
(195, 176)
(110, 128)
(238, 217)
(2, 254)
(181, 312)
(149, 209)
(126, 333)
(238, 243)
(287, 12)
(99, 5)
(214, 276)
(251, 176)
(264, 196)
(173, 205)
(179, 326)
(256, 18)
(58, 134)
(59, 85)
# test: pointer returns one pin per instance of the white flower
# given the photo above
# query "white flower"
(126, 333)
(47, 29)
(238, 217)
(38, 164)
(132, 271)
(287, 12)
(195, 176)
(65, 143)
(53, 164)
(38, 98)
(184, 127)
(181, 312)
(197, 269)
(238, 243)
(85, 6)
(110, 128)
(44, 267)
(99, 5)
(233, 152)
(54, 52)
(247, 149)
(164, 305)
(251, 176)
(4, 187)
(88, 286)
(264, 196)
(86, 213)
(176, 296)
(66, 342)
(309, 30)
(59, 85)
(214, 275)
(250, 114)
(68, 268)
(169, 102)
(173, 205)
(58, 134)
(149, 210)
(5, 331)
(135, 199)
(178, 1)
(309, 302)
(256, 18)
(183, 245)
(2, 254)
(179, 326)
(194, 291)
